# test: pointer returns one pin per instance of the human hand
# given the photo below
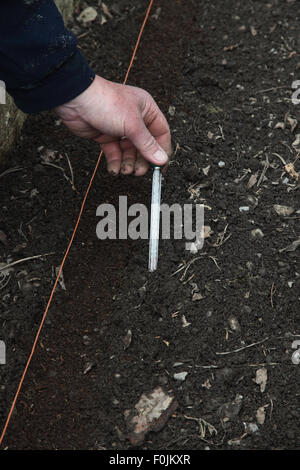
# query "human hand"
(125, 121)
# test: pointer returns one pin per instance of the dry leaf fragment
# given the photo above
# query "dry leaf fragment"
(106, 10)
(230, 410)
(103, 20)
(296, 141)
(252, 180)
(150, 414)
(230, 48)
(206, 170)
(261, 378)
(292, 122)
(197, 296)
(185, 323)
(87, 15)
(292, 247)
(261, 415)
(289, 168)
(61, 278)
(206, 231)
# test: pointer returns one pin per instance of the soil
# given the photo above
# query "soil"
(222, 73)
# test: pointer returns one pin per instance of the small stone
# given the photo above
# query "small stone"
(251, 428)
(257, 233)
(221, 164)
(244, 208)
(283, 211)
(181, 376)
(234, 323)
(86, 340)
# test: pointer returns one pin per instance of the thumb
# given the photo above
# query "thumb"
(147, 146)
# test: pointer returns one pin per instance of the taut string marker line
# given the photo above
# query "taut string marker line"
(70, 242)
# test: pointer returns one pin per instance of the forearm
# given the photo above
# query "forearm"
(39, 60)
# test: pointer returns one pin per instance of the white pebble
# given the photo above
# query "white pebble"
(180, 376)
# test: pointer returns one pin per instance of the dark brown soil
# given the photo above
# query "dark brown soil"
(227, 68)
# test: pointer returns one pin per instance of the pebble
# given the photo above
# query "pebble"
(181, 376)
(234, 323)
(284, 211)
(86, 340)
(251, 427)
(257, 233)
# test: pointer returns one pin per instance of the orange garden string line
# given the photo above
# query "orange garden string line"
(70, 243)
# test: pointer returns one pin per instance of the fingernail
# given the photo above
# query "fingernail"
(160, 157)
(127, 168)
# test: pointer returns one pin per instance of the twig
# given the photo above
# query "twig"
(2, 279)
(272, 292)
(220, 240)
(25, 259)
(267, 164)
(186, 267)
(61, 169)
(272, 89)
(222, 133)
(203, 425)
(10, 170)
(280, 157)
(215, 261)
(72, 172)
(241, 349)
(260, 364)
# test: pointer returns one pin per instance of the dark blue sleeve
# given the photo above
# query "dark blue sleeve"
(39, 59)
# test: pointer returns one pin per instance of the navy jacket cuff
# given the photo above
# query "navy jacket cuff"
(64, 84)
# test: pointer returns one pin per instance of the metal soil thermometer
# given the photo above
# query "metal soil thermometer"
(155, 219)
